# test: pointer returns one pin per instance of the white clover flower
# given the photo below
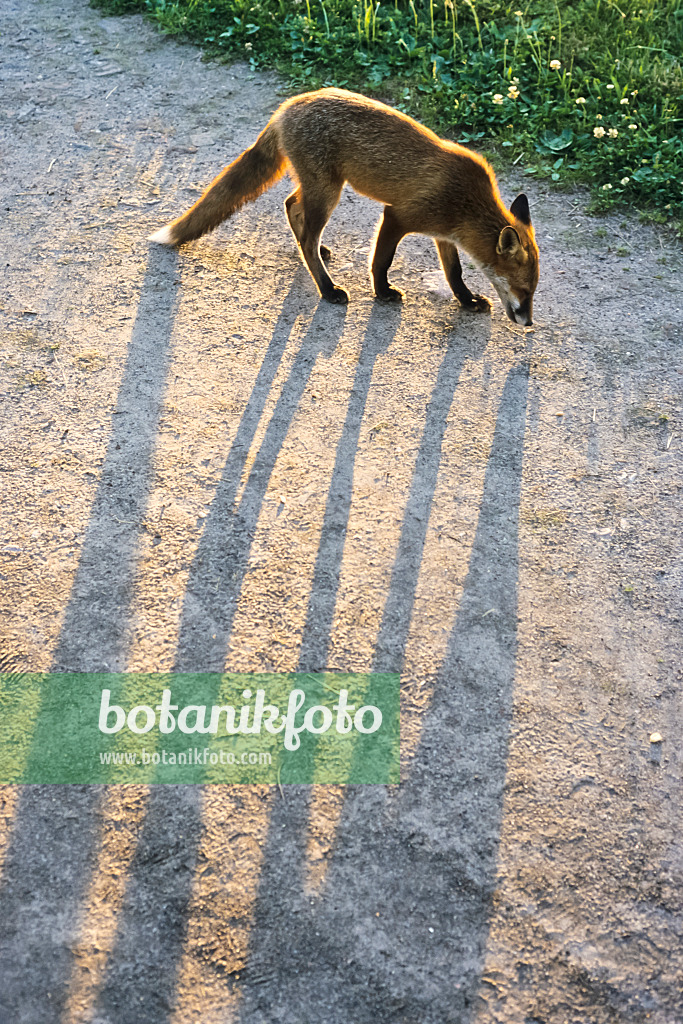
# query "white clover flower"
(625, 181)
(606, 188)
(497, 99)
(633, 127)
(580, 99)
(612, 132)
(555, 65)
(598, 132)
(624, 101)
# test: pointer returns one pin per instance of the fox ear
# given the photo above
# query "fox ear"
(508, 242)
(520, 209)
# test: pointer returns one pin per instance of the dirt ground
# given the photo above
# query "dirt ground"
(204, 467)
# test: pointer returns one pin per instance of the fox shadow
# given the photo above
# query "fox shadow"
(162, 870)
(52, 849)
(406, 859)
(400, 929)
(164, 880)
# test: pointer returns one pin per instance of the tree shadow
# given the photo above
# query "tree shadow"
(400, 931)
(52, 849)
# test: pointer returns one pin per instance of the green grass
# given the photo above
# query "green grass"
(588, 91)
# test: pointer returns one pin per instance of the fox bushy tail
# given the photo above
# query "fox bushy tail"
(244, 179)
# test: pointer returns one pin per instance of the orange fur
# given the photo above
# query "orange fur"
(428, 186)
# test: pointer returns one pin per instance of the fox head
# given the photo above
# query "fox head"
(513, 269)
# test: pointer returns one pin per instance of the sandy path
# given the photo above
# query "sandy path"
(203, 467)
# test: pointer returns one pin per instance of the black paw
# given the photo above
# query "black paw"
(389, 294)
(337, 295)
(475, 303)
(325, 253)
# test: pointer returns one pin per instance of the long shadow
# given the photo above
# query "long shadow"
(380, 332)
(287, 827)
(398, 608)
(400, 932)
(155, 910)
(52, 849)
(286, 839)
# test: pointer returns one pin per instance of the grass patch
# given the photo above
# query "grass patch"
(89, 360)
(590, 91)
(545, 518)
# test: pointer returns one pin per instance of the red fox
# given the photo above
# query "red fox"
(428, 186)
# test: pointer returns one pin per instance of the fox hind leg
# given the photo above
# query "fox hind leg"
(295, 215)
(308, 213)
(450, 261)
(389, 235)
(295, 212)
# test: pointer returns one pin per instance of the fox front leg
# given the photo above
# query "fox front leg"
(450, 261)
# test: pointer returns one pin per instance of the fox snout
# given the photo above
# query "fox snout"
(521, 314)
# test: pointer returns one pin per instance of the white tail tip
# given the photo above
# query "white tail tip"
(164, 236)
